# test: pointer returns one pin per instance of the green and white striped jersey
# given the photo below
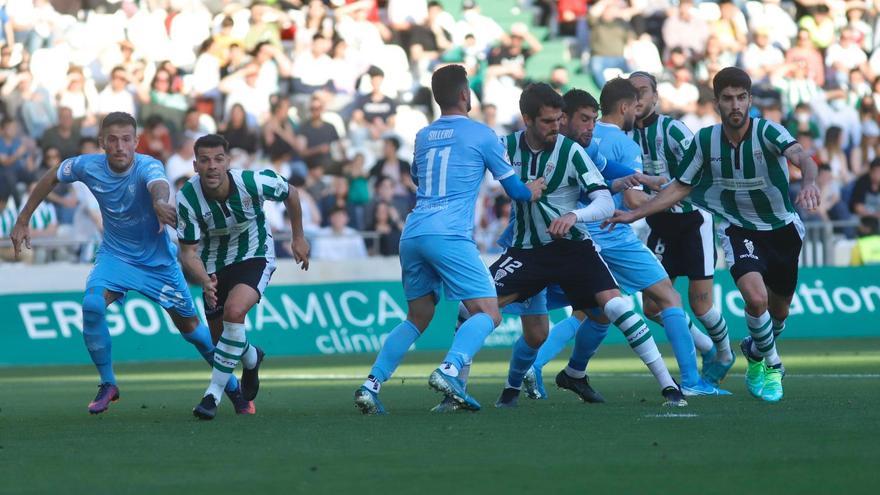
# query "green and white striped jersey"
(745, 184)
(44, 217)
(663, 141)
(233, 230)
(567, 170)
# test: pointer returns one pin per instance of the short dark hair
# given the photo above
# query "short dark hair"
(731, 77)
(211, 141)
(89, 140)
(615, 91)
(537, 95)
(446, 84)
(394, 140)
(647, 75)
(374, 71)
(575, 99)
(118, 118)
(874, 163)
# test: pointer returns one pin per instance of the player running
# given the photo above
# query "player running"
(437, 248)
(226, 246)
(739, 170)
(136, 252)
(681, 237)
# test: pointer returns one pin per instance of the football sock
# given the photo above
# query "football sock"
(520, 362)
(760, 328)
(467, 341)
(249, 357)
(398, 342)
(702, 342)
(679, 336)
(200, 338)
(557, 339)
(232, 343)
(96, 334)
(716, 327)
(621, 312)
(778, 327)
(587, 339)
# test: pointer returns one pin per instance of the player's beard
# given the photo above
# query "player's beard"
(628, 124)
(728, 120)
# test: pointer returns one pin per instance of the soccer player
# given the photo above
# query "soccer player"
(226, 245)
(682, 237)
(739, 170)
(136, 253)
(551, 246)
(437, 248)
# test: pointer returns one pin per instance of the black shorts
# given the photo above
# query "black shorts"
(684, 243)
(253, 272)
(772, 253)
(574, 265)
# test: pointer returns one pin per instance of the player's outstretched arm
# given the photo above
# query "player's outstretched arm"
(601, 207)
(673, 193)
(518, 191)
(809, 196)
(165, 211)
(22, 232)
(299, 246)
(192, 265)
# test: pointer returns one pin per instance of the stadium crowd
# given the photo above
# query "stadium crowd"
(331, 93)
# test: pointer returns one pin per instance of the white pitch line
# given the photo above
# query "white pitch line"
(672, 415)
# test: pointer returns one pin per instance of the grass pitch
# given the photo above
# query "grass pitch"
(824, 437)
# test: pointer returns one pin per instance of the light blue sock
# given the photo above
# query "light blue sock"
(559, 337)
(587, 340)
(395, 346)
(469, 339)
(520, 362)
(675, 324)
(96, 334)
(201, 339)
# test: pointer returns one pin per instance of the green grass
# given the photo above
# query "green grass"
(308, 438)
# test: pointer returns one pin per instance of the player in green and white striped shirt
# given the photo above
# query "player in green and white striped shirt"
(739, 170)
(226, 245)
(681, 237)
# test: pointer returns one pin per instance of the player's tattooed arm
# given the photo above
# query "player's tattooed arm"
(809, 196)
(165, 211)
(299, 246)
(21, 233)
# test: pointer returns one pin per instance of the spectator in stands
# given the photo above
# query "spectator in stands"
(834, 156)
(509, 58)
(390, 165)
(37, 109)
(319, 135)
(686, 29)
(715, 58)
(155, 139)
(116, 97)
(820, 26)
(830, 206)
(610, 29)
(855, 20)
(761, 58)
(383, 192)
(338, 241)
(313, 69)
(195, 124)
(679, 96)
(260, 29)
(317, 21)
(15, 158)
(238, 132)
(205, 79)
(642, 54)
(311, 214)
(81, 97)
(162, 95)
(374, 111)
(484, 29)
(388, 225)
(559, 79)
(704, 113)
(7, 68)
(865, 200)
(731, 28)
(279, 136)
(493, 224)
(180, 164)
(315, 183)
(63, 196)
(273, 65)
(65, 136)
(490, 118)
(358, 187)
(337, 197)
(241, 87)
(845, 55)
(805, 52)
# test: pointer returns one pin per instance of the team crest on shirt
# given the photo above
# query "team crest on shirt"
(759, 158)
(67, 168)
(548, 170)
(246, 202)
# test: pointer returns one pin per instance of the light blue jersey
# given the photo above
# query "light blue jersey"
(131, 229)
(450, 160)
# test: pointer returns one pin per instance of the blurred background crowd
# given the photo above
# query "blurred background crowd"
(330, 93)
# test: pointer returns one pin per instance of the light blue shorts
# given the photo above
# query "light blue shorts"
(164, 285)
(429, 262)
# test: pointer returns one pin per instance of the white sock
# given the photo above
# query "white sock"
(227, 354)
(661, 373)
(716, 326)
(249, 357)
(508, 385)
(448, 369)
(373, 385)
(702, 341)
(762, 334)
(575, 373)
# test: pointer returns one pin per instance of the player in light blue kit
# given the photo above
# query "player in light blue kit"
(136, 252)
(437, 248)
